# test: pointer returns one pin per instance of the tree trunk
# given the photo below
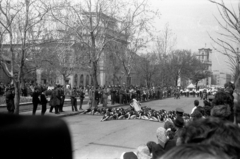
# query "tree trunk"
(17, 96)
(95, 83)
(196, 84)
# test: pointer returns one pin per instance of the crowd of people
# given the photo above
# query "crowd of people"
(101, 95)
(210, 132)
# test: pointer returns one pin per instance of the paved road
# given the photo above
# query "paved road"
(107, 140)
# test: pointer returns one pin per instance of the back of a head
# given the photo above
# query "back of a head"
(222, 98)
(196, 102)
(213, 131)
(161, 135)
(169, 125)
(143, 152)
(221, 111)
(178, 122)
(39, 137)
(196, 115)
(194, 151)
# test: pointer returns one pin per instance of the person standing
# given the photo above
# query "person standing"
(35, 99)
(90, 95)
(55, 100)
(62, 98)
(196, 104)
(74, 99)
(44, 102)
(113, 94)
(105, 97)
(10, 100)
(81, 97)
(96, 97)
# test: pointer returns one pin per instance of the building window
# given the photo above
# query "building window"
(75, 80)
(87, 80)
(81, 80)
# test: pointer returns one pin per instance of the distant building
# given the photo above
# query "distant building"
(205, 56)
(220, 78)
(71, 49)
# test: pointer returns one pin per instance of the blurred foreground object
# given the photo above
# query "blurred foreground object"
(38, 137)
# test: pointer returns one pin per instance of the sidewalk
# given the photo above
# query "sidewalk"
(67, 110)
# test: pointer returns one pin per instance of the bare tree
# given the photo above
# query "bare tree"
(148, 67)
(19, 19)
(138, 22)
(229, 37)
(93, 24)
(166, 41)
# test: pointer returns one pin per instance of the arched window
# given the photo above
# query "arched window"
(87, 80)
(81, 80)
(75, 79)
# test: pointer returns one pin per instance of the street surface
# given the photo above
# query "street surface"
(93, 139)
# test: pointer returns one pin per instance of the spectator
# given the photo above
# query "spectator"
(142, 153)
(179, 112)
(196, 104)
(154, 150)
(224, 101)
(196, 115)
(178, 123)
(215, 132)
(194, 151)
(221, 111)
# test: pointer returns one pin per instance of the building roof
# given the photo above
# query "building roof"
(205, 49)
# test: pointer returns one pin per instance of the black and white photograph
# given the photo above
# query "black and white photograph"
(119, 79)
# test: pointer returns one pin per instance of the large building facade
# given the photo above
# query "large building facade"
(220, 78)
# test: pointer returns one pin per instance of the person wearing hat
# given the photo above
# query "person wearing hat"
(179, 124)
(179, 112)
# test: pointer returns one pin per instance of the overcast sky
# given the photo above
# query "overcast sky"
(191, 20)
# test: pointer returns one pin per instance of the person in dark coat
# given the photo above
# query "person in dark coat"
(74, 99)
(35, 100)
(10, 100)
(62, 98)
(55, 100)
(44, 102)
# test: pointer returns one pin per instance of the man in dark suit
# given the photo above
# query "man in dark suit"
(44, 102)
(62, 98)
(35, 99)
